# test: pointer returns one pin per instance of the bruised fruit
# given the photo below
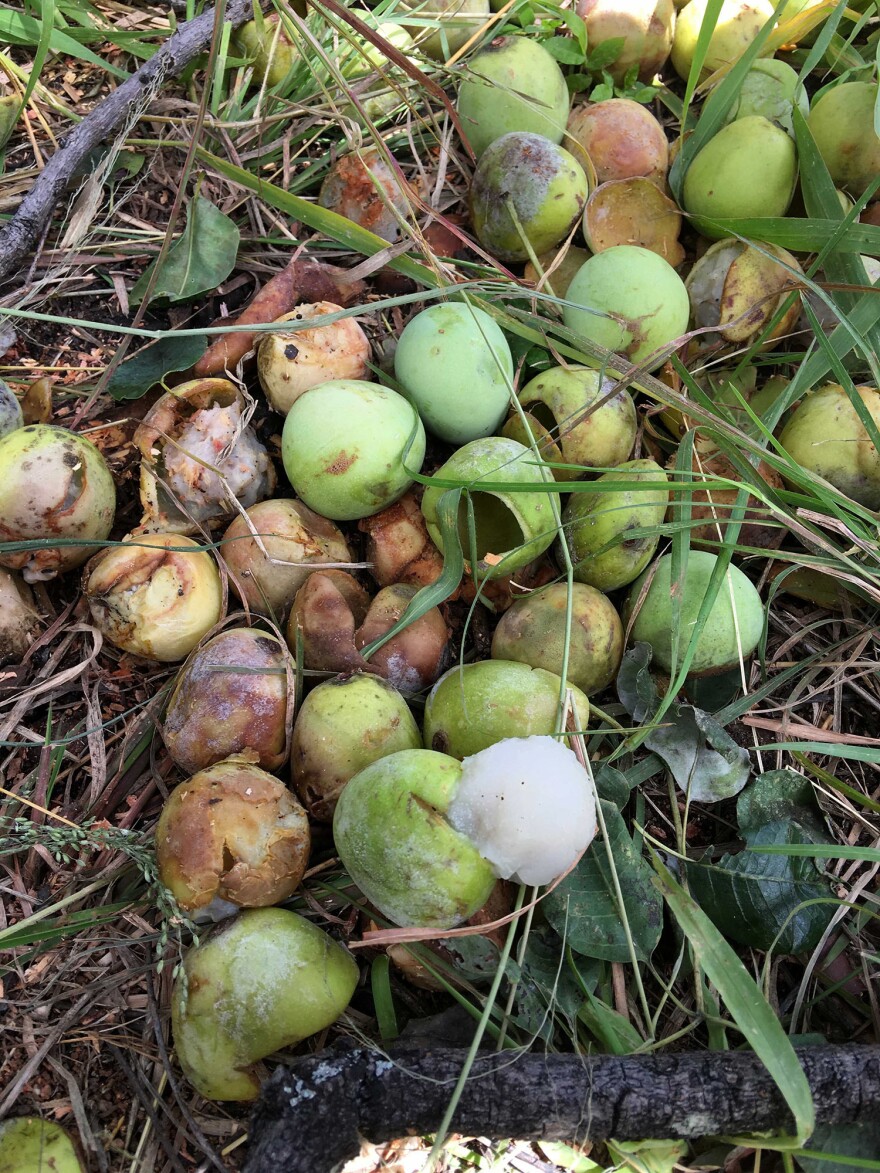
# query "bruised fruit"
(289, 364)
(343, 725)
(53, 484)
(525, 195)
(413, 658)
(740, 288)
(327, 610)
(596, 525)
(474, 705)
(363, 188)
(11, 415)
(267, 980)
(232, 834)
(825, 436)
(348, 448)
(622, 138)
(644, 25)
(29, 1144)
(399, 547)
(633, 211)
(535, 630)
(19, 618)
(512, 84)
(732, 628)
(235, 693)
(454, 364)
(738, 23)
(843, 124)
(273, 548)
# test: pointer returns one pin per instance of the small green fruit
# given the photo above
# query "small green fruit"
(344, 445)
(842, 123)
(733, 626)
(645, 27)
(268, 48)
(593, 520)
(524, 89)
(454, 364)
(739, 22)
(31, 1145)
(525, 186)
(267, 980)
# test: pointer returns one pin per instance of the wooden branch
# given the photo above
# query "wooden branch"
(312, 1115)
(126, 103)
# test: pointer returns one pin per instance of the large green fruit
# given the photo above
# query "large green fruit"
(733, 626)
(592, 520)
(453, 362)
(642, 290)
(524, 89)
(842, 123)
(31, 1145)
(721, 180)
(474, 705)
(267, 980)
(525, 186)
(739, 22)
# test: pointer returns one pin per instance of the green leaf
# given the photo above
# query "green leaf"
(858, 1141)
(705, 761)
(763, 900)
(563, 1156)
(584, 909)
(647, 1156)
(202, 257)
(546, 983)
(19, 29)
(747, 1005)
(564, 49)
(615, 1034)
(134, 377)
(383, 998)
(602, 93)
(809, 234)
(605, 53)
(777, 796)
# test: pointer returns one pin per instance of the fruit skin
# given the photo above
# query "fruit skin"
(29, 1144)
(716, 504)
(771, 88)
(343, 726)
(454, 365)
(722, 637)
(363, 188)
(526, 90)
(458, 21)
(623, 139)
(533, 632)
(643, 289)
(19, 618)
(53, 483)
(267, 980)
(391, 835)
(234, 693)
(645, 25)
(343, 448)
(825, 436)
(842, 123)
(546, 186)
(592, 520)
(11, 416)
(271, 67)
(512, 529)
(474, 705)
(559, 280)
(738, 24)
(720, 181)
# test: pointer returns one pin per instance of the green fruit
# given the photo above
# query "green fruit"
(456, 22)
(637, 286)
(593, 520)
(347, 447)
(720, 181)
(392, 837)
(268, 48)
(524, 90)
(474, 705)
(510, 529)
(772, 89)
(267, 980)
(10, 411)
(645, 26)
(738, 24)
(733, 626)
(31, 1145)
(453, 363)
(525, 186)
(842, 123)
(826, 437)
(343, 726)
(534, 630)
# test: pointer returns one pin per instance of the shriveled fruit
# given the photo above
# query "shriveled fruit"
(741, 287)
(399, 547)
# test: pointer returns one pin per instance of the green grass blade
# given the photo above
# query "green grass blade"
(383, 999)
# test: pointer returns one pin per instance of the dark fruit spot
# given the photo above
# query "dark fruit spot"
(291, 351)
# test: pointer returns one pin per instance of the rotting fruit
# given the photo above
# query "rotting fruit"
(11, 415)
(622, 138)
(364, 188)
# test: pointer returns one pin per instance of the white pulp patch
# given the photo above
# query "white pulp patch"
(528, 806)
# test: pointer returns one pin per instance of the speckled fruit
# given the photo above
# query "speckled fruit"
(772, 89)
(842, 123)
(511, 529)
(344, 725)
(53, 484)
(232, 833)
(741, 288)
(643, 290)
(234, 693)
(29, 1144)
(738, 24)
(720, 181)
(733, 625)
(594, 521)
(272, 550)
(347, 447)
(535, 628)
(474, 705)
(826, 437)
(267, 980)
(363, 188)
(623, 139)
(392, 837)
(11, 416)
(525, 186)
(454, 364)
(289, 364)
(645, 26)
(524, 89)
(444, 25)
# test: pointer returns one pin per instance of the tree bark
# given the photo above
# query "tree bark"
(312, 1115)
(127, 102)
